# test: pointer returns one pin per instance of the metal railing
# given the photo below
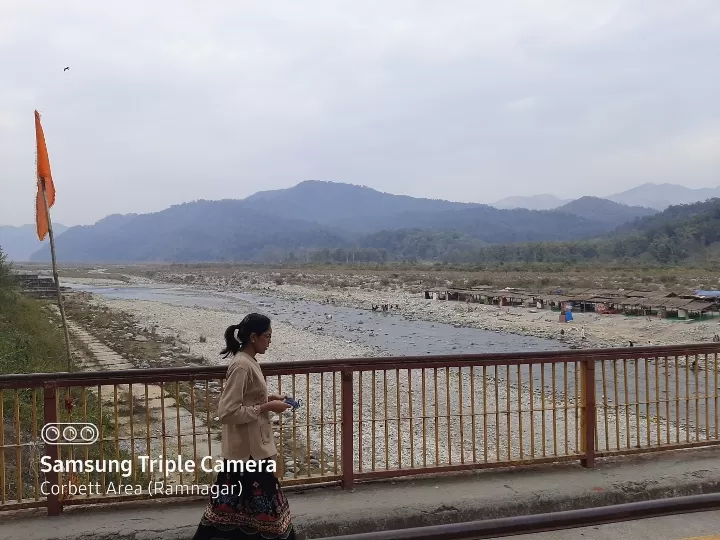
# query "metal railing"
(360, 419)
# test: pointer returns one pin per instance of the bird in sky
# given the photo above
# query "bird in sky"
(66, 68)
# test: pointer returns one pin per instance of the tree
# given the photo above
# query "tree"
(4, 269)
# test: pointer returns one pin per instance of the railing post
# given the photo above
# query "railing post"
(346, 429)
(50, 416)
(590, 417)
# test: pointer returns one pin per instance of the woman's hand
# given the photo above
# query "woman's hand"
(276, 397)
(275, 406)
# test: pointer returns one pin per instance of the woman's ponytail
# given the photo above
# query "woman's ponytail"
(232, 345)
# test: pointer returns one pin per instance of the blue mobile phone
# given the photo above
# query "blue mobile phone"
(294, 404)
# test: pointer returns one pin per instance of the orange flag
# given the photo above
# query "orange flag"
(43, 173)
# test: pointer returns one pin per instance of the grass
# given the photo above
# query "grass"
(30, 341)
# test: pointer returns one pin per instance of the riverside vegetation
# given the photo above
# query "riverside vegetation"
(29, 340)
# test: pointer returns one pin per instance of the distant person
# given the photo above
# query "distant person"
(259, 510)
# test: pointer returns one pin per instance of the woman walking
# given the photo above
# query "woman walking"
(250, 503)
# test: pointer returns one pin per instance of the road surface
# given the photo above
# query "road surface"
(694, 526)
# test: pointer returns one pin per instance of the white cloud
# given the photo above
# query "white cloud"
(171, 101)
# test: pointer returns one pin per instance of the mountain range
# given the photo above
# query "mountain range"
(19, 243)
(317, 215)
(656, 196)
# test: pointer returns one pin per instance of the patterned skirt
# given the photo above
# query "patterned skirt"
(246, 505)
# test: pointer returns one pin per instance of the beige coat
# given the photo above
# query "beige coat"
(245, 431)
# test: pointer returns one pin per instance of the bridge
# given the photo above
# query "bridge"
(368, 420)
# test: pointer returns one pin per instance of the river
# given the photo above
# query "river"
(392, 333)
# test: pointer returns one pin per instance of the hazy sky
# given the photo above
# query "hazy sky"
(472, 100)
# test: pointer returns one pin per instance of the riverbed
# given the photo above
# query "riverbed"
(390, 332)
(306, 329)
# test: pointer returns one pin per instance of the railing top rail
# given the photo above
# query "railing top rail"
(25, 380)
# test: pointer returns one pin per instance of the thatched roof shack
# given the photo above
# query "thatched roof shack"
(636, 293)
(698, 306)
(450, 293)
(446, 293)
(598, 300)
(485, 295)
(515, 297)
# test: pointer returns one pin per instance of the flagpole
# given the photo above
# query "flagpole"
(55, 275)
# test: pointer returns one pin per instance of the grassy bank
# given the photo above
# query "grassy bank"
(30, 341)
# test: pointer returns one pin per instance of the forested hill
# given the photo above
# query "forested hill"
(681, 233)
(323, 216)
(605, 211)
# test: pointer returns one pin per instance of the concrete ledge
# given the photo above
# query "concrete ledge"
(323, 512)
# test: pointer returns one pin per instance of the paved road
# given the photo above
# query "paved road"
(695, 526)
(414, 502)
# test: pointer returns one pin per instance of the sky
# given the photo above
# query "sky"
(469, 100)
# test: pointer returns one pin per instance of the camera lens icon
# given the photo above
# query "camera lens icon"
(79, 433)
(50, 434)
(69, 433)
(89, 434)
